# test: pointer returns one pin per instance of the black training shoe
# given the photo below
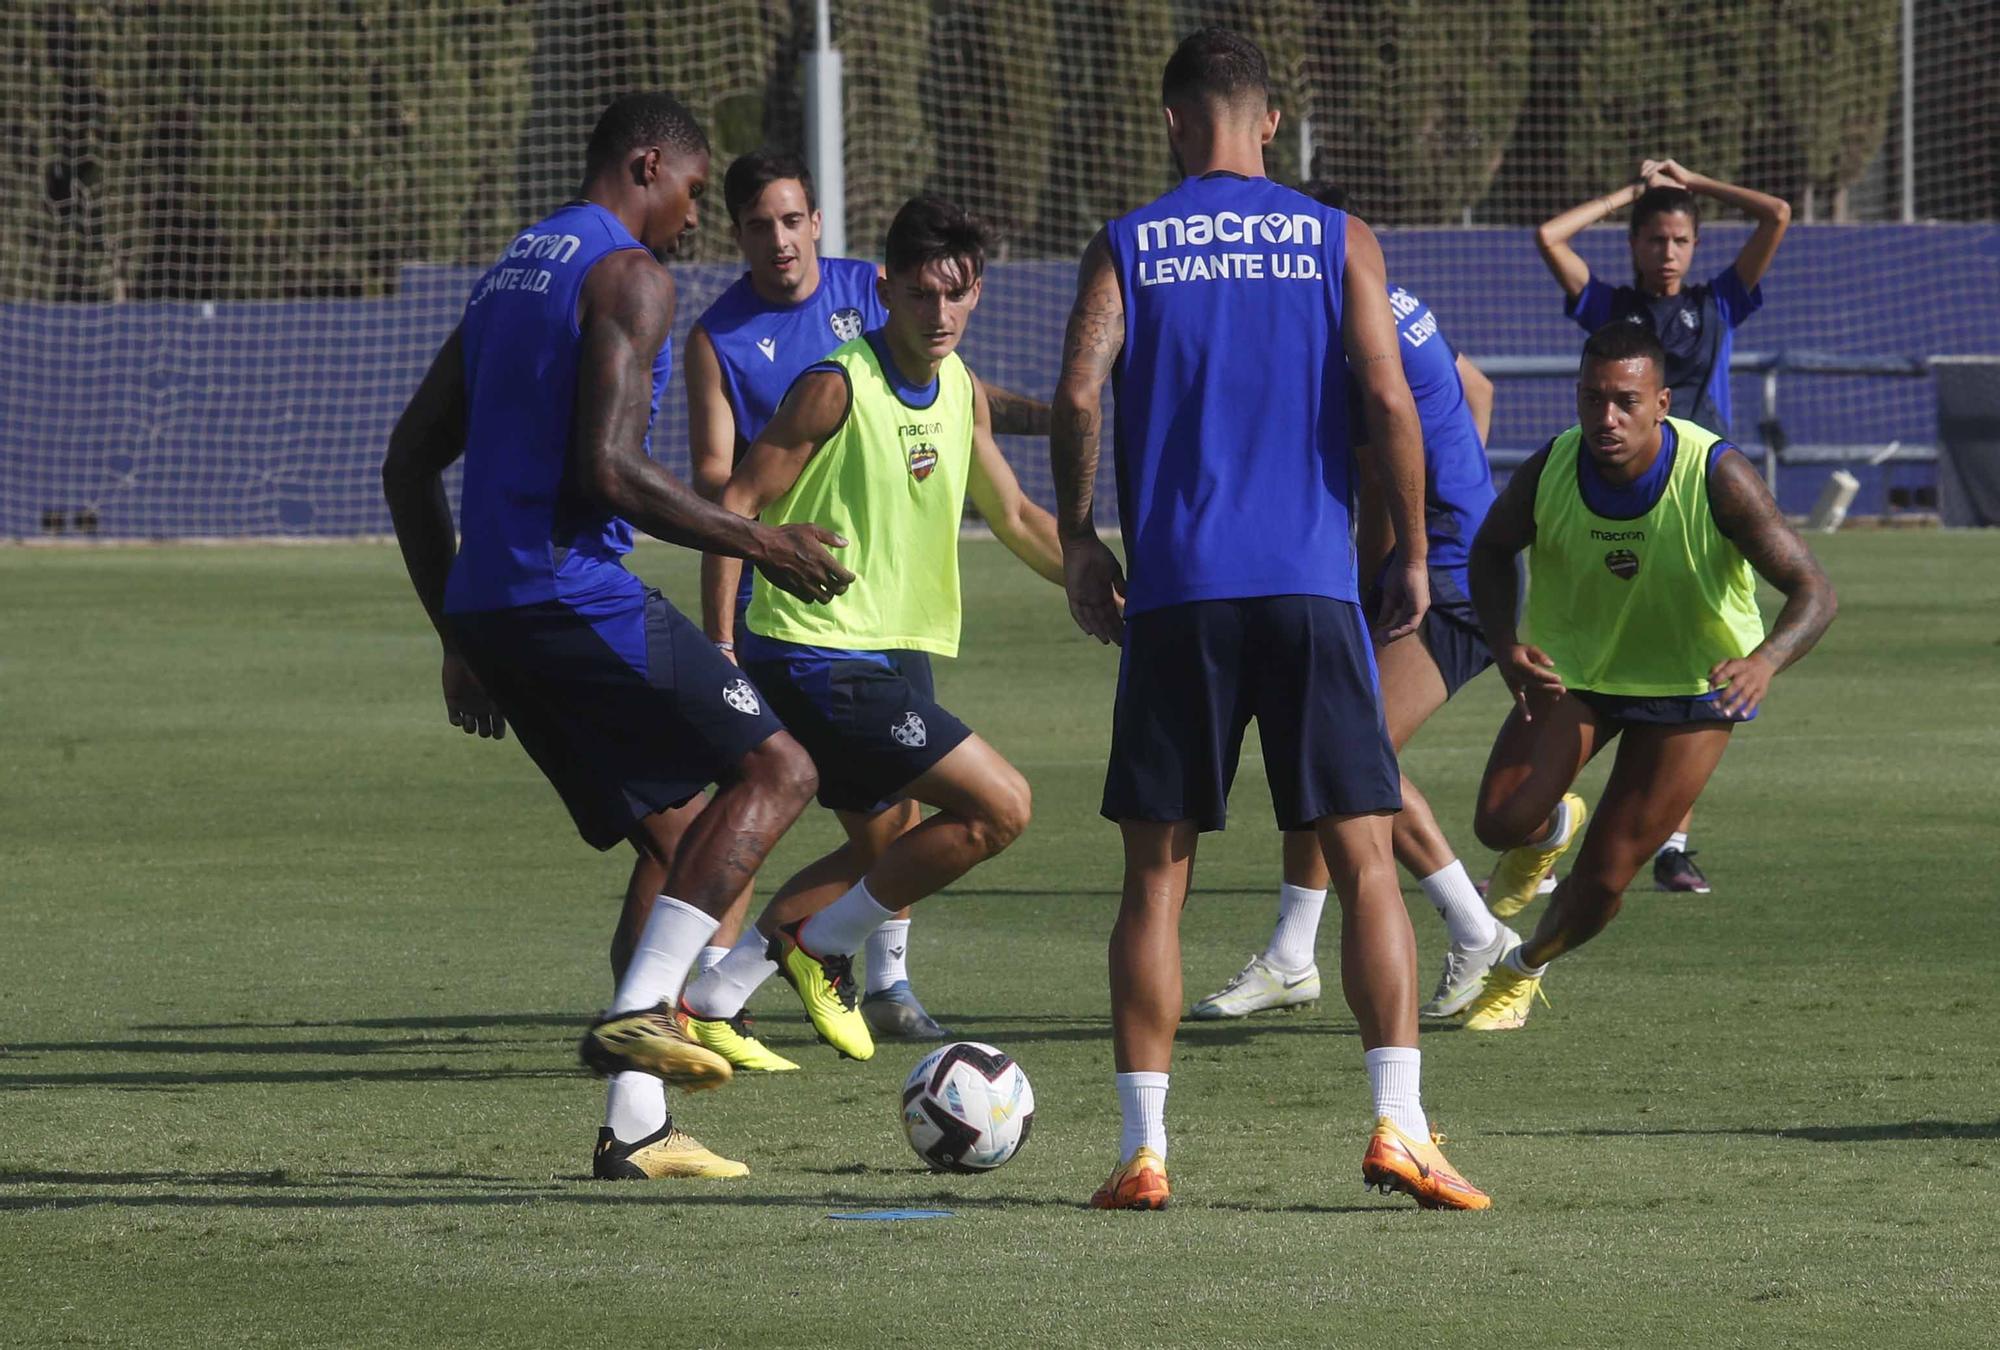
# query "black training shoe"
(894, 1014)
(1675, 870)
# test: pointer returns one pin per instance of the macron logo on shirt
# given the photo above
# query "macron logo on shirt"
(1252, 233)
(768, 346)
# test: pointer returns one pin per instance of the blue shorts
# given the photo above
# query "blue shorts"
(626, 714)
(1192, 676)
(1678, 710)
(870, 720)
(1450, 630)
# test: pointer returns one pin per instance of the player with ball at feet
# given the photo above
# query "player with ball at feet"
(1645, 537)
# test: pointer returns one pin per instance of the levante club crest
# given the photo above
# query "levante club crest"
(1623, 562)
(923, 458)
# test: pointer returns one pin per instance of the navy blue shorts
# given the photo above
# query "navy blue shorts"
(870, 720)
(1450, 631)
(1192, 676)
(1676, 710)
(626, 714)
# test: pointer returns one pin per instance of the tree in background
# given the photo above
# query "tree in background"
(1833, 78)
(990, 86)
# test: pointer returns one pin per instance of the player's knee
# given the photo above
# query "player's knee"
(782, 768)
(1503, 825)
(1004, 814)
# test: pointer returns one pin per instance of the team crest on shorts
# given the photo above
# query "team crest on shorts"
(1623, 562)
(923, 459)
(741, 695)
(910, 731)
(846, 323)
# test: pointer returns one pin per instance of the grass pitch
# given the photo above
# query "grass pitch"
(292, 972)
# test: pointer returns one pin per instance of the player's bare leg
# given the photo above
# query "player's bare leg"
(1525, 808)
(1658, 773)
(983, 804)
(1378, 952)
(1146, 944)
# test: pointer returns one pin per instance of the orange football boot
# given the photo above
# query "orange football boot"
(1139, 1183)
(1396, 1162)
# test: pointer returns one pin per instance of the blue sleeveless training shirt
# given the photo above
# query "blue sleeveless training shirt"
(527, 535)
(1458, 482)
(1234, 468)
(763, 347)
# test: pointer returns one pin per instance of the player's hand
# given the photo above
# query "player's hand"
(1649, 173)
(1530, 673)
(1406, 594)
(796, 561)
(467, 704)
(1095, 584)
(1743, 681)
(1669, 173)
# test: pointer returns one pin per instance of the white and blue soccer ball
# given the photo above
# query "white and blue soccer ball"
(967, 1108)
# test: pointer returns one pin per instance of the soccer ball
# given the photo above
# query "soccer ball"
(967, 1108)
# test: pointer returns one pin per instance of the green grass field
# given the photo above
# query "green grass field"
(292, 973)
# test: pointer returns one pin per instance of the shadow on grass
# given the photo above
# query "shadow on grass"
(140, 1080)
(456, 1045)
(449, 1022)
(1013, 1027)
(1888, 1132)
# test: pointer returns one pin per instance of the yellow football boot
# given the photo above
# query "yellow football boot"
(1417, 1168)
(652, 1040)
(1139, 1183)
(664, 1153)
(731, 1038)
(1519, 872)
(1505, 1000)
(825, 984)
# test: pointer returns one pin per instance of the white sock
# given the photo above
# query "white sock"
(635, 1106)
(1394, 1075)
(1297, 933)
(1518, 963)
(888, 955)
(1565, 822)
(1451, 891)
(705, 960)
(841, 928)
(659, 967)
(720, 992)
(1142, 1100)
(1677, 841)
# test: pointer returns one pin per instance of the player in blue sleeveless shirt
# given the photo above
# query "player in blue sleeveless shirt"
(547, 388)
(1229, 312)
(1695, 323)
(1418, 673)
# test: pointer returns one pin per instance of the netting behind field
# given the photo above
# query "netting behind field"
(233, 231)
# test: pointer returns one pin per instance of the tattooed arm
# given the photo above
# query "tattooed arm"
(1749, 518)
(1015, 414)
(1091, 574)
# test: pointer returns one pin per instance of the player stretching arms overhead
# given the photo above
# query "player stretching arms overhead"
(1418, 673)
(547, 387)
(1696, 325)
(884, 440)
(1226, 307)
(1645, 536)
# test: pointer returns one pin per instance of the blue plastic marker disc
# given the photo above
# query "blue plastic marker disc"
(872, 1215)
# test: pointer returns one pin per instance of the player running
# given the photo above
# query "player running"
(1645, 536)
(1222, 311)
(884, 440)
(548, 387)
(1696, 326)
(1418, 674)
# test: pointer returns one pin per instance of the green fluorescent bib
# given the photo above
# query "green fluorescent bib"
(891, 482)
(1643, 607)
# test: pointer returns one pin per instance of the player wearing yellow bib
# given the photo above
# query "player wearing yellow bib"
(887, 437)
(1645, 535)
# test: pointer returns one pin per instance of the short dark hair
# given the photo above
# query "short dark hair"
(1660, 201)
(930, 229)
(752, 173)
(1326, 192)
(1215, 63)
(635, 121)
(1624, 340)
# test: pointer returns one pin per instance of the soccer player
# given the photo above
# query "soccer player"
(1222, 311)
(884, 440)
(1696, 326)
(791, 308)
(1418, 673)
(1645, 537)
(548, 387)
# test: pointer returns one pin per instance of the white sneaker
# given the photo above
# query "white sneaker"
(1258, 987)
(1464, 973)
